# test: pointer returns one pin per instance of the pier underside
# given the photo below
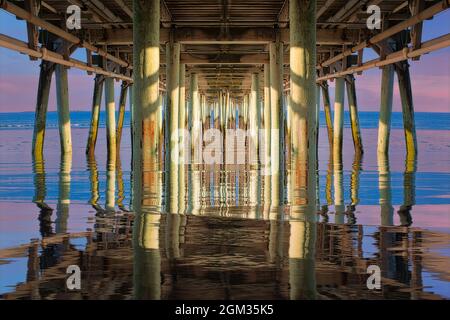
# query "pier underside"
(223, 98)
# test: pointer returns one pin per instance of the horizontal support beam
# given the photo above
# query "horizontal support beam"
(30, 18)
(47, 55)
(236, 35)
(397, 56)
(421, 16)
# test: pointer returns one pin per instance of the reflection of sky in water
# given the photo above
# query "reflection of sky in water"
(431, 185)
(431, 282)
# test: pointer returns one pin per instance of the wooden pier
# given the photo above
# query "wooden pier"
(261, 64)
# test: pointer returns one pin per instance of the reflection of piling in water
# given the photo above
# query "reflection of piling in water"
(39, 179)
(354, 187)
(302, 242)
(62, 207)
(147, 259)
(110, 186)
(172, 233)
(339, 205)
(384, 185)
(120, 184)
(94, 182)
(409, 190)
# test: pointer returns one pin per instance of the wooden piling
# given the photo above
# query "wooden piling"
(121, 116)
(146, 103)
(267, 124)
(354, 118)
(173, 89)
(384, 124)
(182, 141)
(254, 119)
(195, 119)
(95, 112)
(45, 79)
(404, 85)
(327, 110)
(62, 100)
(110, 107)
(303, 104)
(276, 115)
(338, 128)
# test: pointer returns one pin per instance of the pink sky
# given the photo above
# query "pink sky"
(430, 81)
(430, 76)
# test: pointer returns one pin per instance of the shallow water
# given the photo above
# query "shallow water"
(226, 242)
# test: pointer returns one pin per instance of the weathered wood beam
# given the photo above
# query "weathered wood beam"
(426, 14)
(406, 53)
(324, 8)
(213, 35)
(416, 30)
(25, 15)
(48, 7)
(124, 7)
(32, 31)
(47, 55)
(105, 10)
(283, 14)
(343, 11)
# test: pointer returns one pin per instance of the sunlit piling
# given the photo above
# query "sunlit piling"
(338, 127)
(146, 105)
(45, 80)
(384, 124)
(276, 115)
(110, 107)
(62, 103)
(404, 84)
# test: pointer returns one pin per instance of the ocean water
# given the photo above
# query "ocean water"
(224, 242)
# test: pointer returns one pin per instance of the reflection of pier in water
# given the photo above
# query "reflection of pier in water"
(190, 257)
